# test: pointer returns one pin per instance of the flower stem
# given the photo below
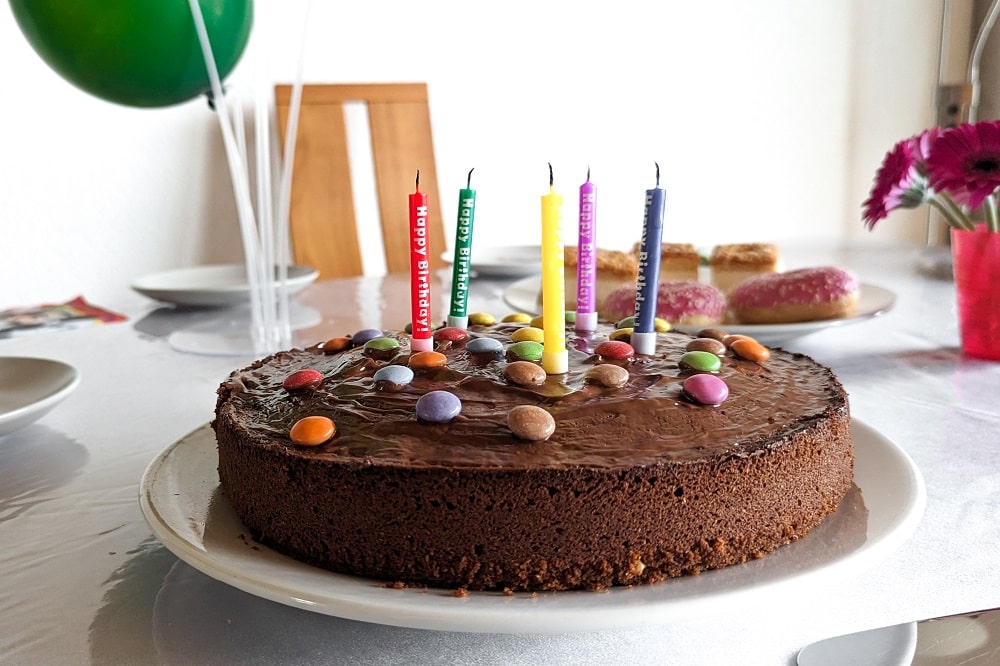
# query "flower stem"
(951, 212)
(992, 222)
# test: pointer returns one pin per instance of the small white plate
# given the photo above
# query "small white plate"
(212, 286)
(500, 262)
(30, 387)
(181, 500)
(524, 296)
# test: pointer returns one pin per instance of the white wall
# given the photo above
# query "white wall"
(768, 119)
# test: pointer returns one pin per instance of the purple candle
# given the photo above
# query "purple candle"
(648, 282)
(586, 260)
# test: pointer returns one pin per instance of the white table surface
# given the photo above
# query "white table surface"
(84, 581)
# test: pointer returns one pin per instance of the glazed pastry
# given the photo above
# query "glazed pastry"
(806, 294)
(678, 301)
(678, 261)
(613, 269)
(735, 263)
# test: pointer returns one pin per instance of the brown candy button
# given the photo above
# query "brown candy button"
(524, 373)
(531, 423)
(607, 375)
(710, 345)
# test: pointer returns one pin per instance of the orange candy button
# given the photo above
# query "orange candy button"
(312, 430)
(334, 345)
(427, 359)
(751, 350)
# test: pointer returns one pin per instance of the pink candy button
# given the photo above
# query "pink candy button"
(706, 389)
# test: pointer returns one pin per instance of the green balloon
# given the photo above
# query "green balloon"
(135, 52)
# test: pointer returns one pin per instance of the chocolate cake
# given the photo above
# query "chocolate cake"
(636, 484)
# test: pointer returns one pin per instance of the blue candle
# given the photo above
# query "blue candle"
(648, 280)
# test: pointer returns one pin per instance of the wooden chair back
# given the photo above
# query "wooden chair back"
(322, 218)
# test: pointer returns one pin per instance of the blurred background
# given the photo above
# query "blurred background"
(768, 120)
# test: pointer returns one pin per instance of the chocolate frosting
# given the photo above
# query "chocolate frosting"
(649, 420)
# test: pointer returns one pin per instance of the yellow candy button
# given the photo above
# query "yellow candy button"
(517, 318)
(482, 319)
(529, 333)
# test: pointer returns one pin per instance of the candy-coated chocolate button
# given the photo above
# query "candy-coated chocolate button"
(301, 380)
(482, 319)
(622, 334)
(710, 345)
(392, 377)
(409, 327)
(530, 333)
(517, 318)
(715, 333)
(427, 359)
(570, 316)
(312, 430)
(751, 350)
(607, 375)
(659, 325)
(382, 344)
(538, 321)
(438, 407)
(484, 346)
(531, 423)
(338, 344)
(450, 334)
(730, 339)
(364, 335)
(526, 350)
(524, 373)
(615, 349)
(706, 389)
(701, 361)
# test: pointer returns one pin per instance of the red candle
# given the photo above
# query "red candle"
(420, 273)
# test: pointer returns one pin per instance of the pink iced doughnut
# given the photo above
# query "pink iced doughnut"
(806, 294)
(678, 301)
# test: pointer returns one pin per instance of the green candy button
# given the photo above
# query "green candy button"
(526, 350)
(701, 361)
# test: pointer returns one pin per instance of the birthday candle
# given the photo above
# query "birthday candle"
(463, 256)
(555, 359)
(420, 273)
(586, 260)
(647, 284)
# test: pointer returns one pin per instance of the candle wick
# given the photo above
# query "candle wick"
(418, 180)
(551, 179)
(588, 173)
(468, 182)
(657, 173)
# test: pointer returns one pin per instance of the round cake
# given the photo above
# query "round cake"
(648, 474)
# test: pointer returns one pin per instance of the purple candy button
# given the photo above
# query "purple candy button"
(364, 335)
(438, 407)
(706, 389)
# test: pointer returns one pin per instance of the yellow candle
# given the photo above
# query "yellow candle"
(555, 359)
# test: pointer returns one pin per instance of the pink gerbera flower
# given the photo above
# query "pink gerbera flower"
(965, 162)
(898, 182)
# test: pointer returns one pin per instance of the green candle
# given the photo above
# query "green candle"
(462, 265)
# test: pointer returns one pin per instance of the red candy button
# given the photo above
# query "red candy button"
(451, 334)
(301, 380)
(615, 349)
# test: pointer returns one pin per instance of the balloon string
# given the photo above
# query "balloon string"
(285, 185)
(257, 277)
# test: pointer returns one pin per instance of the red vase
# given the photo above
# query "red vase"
(976, 265)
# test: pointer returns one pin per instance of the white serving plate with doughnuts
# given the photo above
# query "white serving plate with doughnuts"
(873, 301)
